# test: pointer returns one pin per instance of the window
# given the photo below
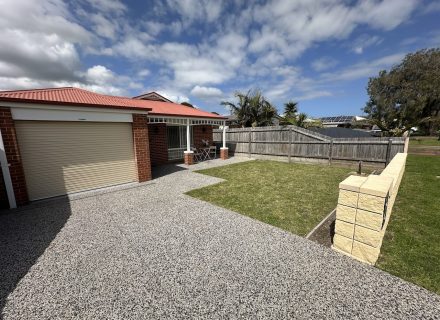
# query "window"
(176, 136)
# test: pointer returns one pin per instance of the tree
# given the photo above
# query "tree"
(252, 109)
(290, 112)
(408, 95)
(290, 109)
(301, 120)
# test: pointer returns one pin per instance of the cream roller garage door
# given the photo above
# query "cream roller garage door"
(66, 157)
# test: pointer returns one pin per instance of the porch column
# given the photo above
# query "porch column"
(224, 149)
(188, 154)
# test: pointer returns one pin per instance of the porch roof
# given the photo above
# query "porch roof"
(183, 121)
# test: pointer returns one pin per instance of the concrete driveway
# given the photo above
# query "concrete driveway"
(151, 252)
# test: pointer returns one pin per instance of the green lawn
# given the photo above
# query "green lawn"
(411, 248)
(294, 197)
(424, 141)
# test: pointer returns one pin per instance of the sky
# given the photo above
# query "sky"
(319, 53)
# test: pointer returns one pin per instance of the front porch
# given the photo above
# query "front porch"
(173, 139)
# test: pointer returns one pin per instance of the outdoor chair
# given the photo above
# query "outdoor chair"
(197, 155)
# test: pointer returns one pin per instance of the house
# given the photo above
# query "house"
(59, 141)
(341, 121)
(153, 96)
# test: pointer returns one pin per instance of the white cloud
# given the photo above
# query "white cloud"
(114, 6)
(364, 41)
(314, 95)
(364, 69)
(290, 27)
(174, 96)
(99, 75)
(143, 73)
(324, 63)
(206, 92)
(103, 26)
(207, 10)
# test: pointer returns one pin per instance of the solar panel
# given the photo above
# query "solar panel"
(344, 119)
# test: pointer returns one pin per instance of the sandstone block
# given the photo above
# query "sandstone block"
(345, 213)
(352, 183)
(344, 229)
(369, 219)
(377, 185)
(342, 243)
(367, 236)
(348, 198)
(370, 203)
(365, 253)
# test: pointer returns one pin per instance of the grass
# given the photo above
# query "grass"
(294, 197)
(424, 141)
(411, 248)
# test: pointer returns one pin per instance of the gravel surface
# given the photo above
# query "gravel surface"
(152, 252)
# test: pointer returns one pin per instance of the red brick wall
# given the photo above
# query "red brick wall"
(13, 155)
(141, 147)
(202, 132)
(158, 143)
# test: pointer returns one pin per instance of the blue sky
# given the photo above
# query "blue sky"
(317, 52)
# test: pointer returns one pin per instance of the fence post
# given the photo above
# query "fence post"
(388, 156)
(289, 153)
(250, 142)
(330, 152)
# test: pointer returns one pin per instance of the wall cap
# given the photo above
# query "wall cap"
(352, 183)
(377, 186)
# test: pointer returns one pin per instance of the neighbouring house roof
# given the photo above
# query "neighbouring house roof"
(338, 120)
(80, 97)
(337, 132)
(154, 96)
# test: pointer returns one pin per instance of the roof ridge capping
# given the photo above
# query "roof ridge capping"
(40, 89)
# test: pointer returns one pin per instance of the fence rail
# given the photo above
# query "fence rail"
(294, 142)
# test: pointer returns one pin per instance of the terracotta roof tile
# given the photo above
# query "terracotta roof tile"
(81, 97)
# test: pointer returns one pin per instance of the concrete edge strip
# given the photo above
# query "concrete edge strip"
(320, 224)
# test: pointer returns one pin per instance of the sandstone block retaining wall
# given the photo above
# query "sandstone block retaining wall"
(364, 209)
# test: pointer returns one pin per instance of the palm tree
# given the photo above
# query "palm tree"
(290, 109)
(252, 109)
(300, 120)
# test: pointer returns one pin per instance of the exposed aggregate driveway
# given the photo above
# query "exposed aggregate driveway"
(152, 252)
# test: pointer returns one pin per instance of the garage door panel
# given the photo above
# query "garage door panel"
(66, 157)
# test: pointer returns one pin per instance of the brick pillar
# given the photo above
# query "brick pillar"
(13, 155)
(188, 157)
(141, 147)
(224, 153)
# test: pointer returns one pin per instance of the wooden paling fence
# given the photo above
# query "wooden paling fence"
(295, 142)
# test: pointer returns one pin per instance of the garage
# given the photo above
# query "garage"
(57, 141)
(62, 157)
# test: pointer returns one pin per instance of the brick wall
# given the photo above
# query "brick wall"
(141, 147)
(200, 133)
(157, 133)
(13, 155)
